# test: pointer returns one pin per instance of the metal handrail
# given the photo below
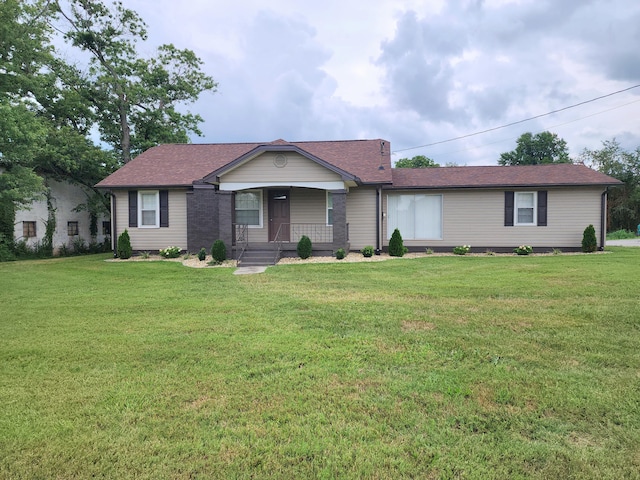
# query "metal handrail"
(242, 239)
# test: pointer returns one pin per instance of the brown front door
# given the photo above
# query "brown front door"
(279, 214)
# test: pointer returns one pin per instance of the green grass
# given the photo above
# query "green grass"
(440, 367)
(621, 235)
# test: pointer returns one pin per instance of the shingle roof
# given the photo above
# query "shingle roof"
(175, 165)
(564, 174)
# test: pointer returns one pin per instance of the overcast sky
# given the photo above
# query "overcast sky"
(413, 72)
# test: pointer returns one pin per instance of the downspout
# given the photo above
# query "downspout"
(378, 199)
(114, 225)
(603, 218)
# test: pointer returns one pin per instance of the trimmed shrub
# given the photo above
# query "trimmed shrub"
(202, 254)
(367, 251)
(170, 252)
(589, 242)
(124, 246)
(340, 253)
(462, 249)
(219, 251)
(304, 247)
(396, 246)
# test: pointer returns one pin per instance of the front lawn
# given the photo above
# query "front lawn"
(438, 367)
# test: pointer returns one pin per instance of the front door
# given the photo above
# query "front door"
(279, 215)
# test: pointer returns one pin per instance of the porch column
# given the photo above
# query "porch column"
(225, 220)
(202, 214)
(340, 234)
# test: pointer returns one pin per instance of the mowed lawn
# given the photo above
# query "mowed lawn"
(441, 367)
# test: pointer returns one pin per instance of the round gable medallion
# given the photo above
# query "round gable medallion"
(280, 160)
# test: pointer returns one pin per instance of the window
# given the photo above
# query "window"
(106, 227)
(28, 229)
(149, 209)
(417, 216)
(329, 208)
(249, 208)
(525, 208)
(72, 229)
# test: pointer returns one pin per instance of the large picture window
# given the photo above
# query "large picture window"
(417, 216)
(249, 208)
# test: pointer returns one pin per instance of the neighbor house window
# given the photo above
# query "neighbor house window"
(249, 208)
(417, 216)
(525, 208)
(28, 229)
(329, 208)
(72, 229)
(148, 209)
(106, 227)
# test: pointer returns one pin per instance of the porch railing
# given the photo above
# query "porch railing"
(241, 237)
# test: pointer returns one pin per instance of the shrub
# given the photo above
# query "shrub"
(429, 251)
(523, 250)
(396, 246)
(79, 246)
(620, 235)
(304, 247)
(6, 249)
(340, 254)
(462, 249)
(202, 254)
(219, 251)
(589, 242)
(145, 255)
(367, 251)
(124, 246)
(170, 252)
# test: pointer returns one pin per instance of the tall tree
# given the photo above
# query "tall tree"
(419, 161)
(544, 147)
(624, 201)
(135, 99)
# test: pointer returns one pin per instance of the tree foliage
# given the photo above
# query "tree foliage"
(544, 147)
(419, 161)
(135, 99)
(624, 201)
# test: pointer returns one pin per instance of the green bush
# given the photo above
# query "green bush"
(396, 246)
(124, 246)
(219, 251)
(340, 253)
(367, 251)
(202, 254)
(523, 250)
(589, 242)
(621, 235)
(170, 252)
(304, 247)
(6, 249)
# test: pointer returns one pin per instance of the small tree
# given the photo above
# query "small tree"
(219, 251)
(589, 242)
(124, 246)
(396, 246)
(304, 247)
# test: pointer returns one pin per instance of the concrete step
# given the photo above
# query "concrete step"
(257, 258)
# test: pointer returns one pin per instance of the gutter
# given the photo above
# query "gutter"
(378, 219)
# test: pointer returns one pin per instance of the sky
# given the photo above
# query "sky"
(412, 72)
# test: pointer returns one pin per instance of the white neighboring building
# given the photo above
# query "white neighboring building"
(71, 225)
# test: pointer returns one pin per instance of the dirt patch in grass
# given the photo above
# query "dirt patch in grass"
(416, 326)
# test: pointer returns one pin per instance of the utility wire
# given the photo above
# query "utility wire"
(519, 121)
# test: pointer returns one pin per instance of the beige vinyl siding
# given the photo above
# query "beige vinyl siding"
(155, 238)
(263, 169)
(476, 218)
(308, 205)
(361, 217)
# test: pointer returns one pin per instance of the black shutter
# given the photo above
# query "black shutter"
(133, 208)
(164, 208)
(542, 208)
(508, 209)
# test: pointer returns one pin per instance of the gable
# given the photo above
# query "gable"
(271, 167)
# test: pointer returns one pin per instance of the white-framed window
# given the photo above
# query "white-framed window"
(525, 209)
(249, 208)
(148, 209)
(417, 216)
(329, 208)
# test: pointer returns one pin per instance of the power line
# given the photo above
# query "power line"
(519, 121)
